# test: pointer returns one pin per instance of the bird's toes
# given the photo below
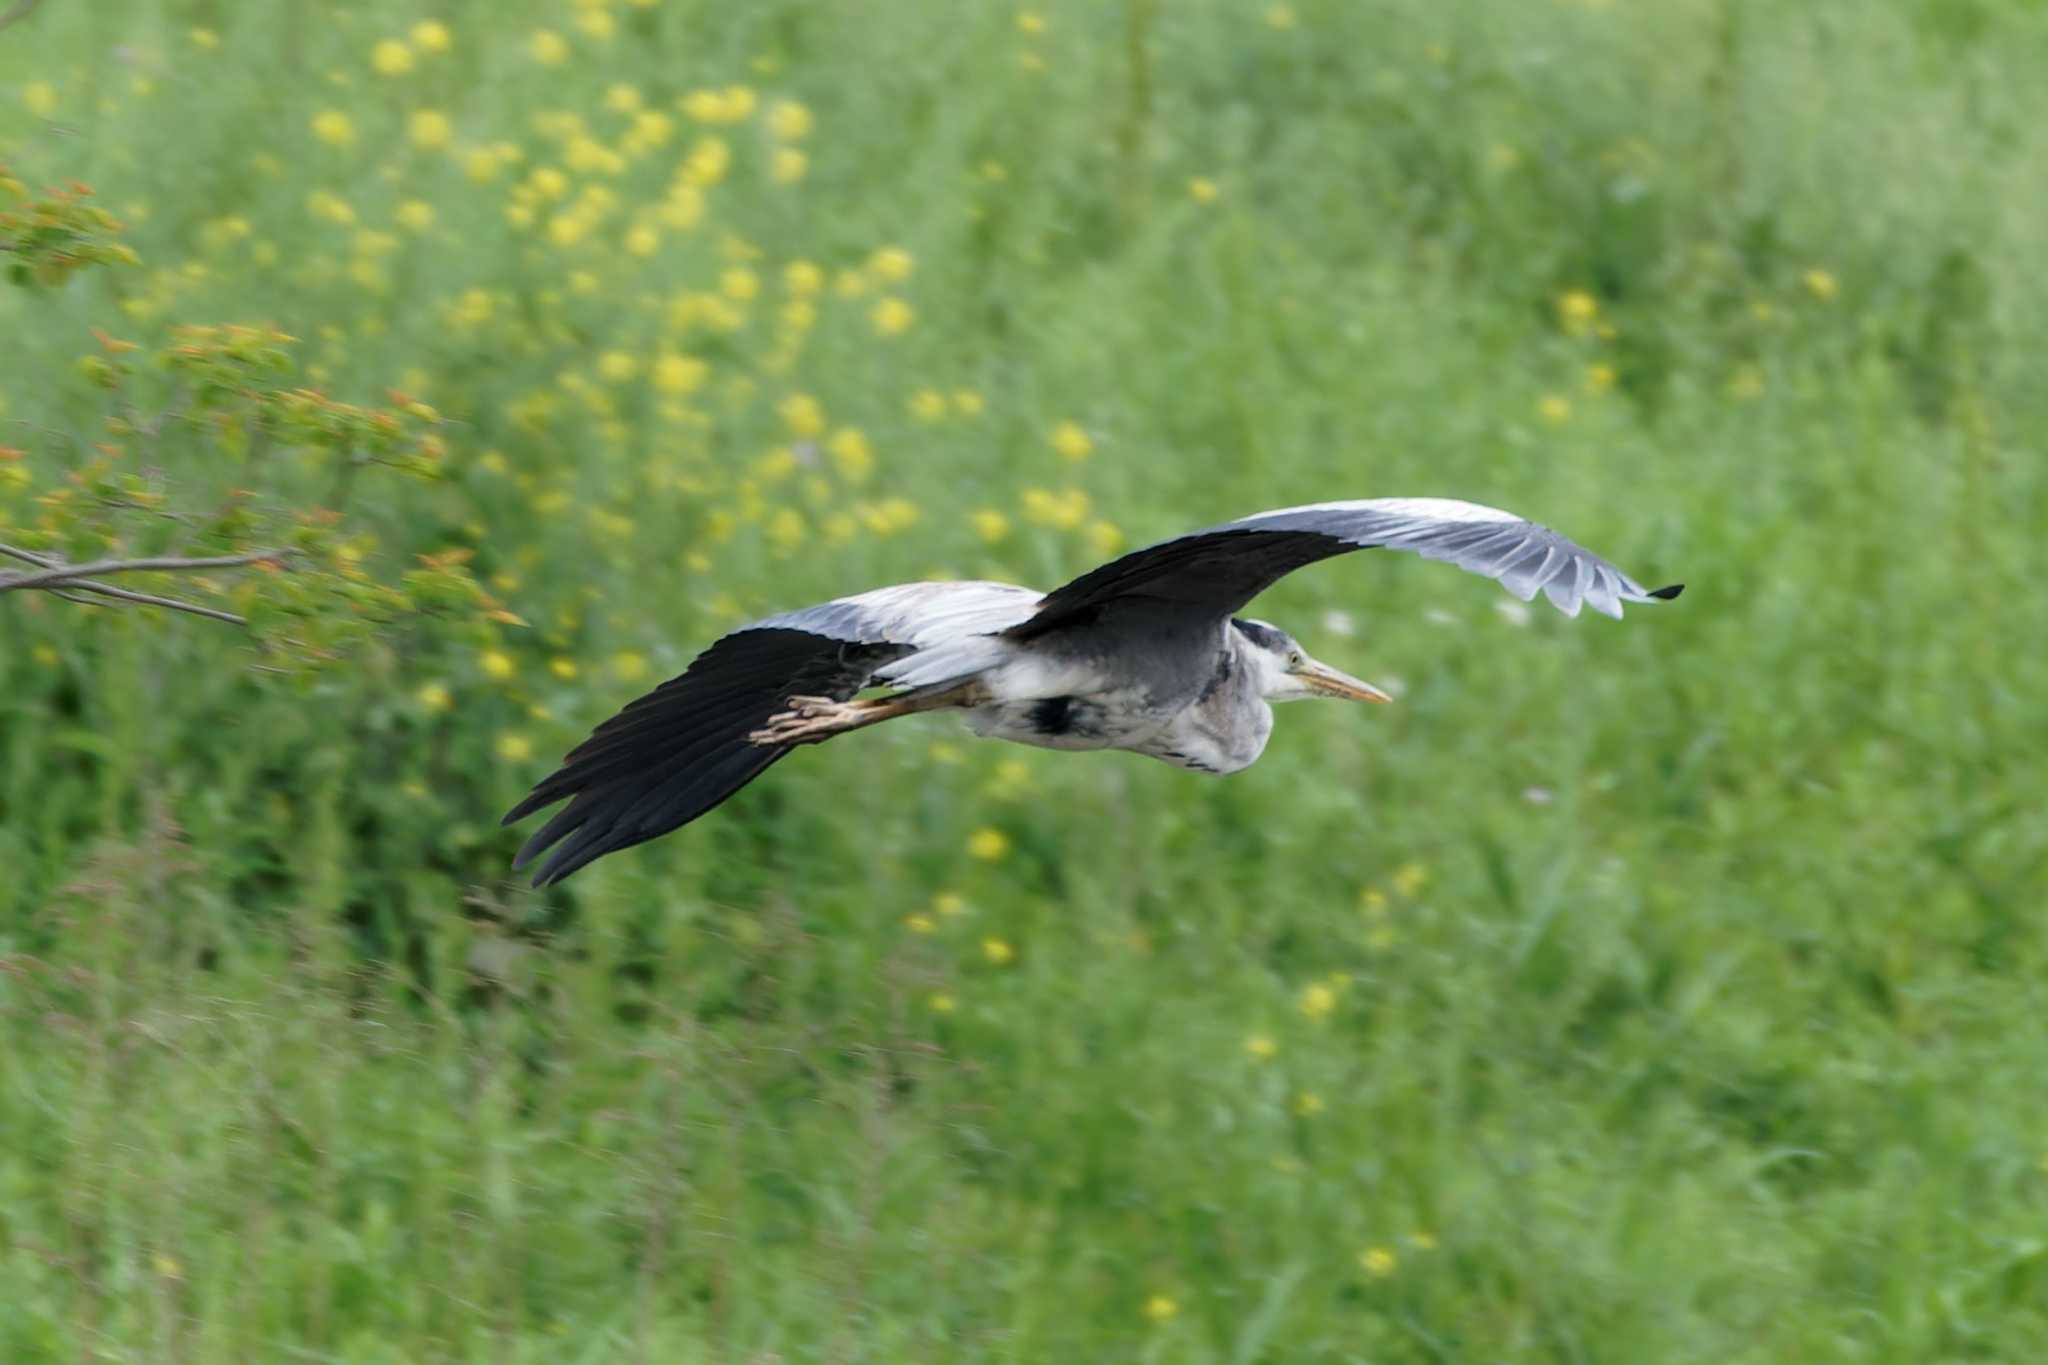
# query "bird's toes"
(808, 718)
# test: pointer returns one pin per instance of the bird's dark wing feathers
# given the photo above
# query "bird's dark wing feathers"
(680, 750)
(1215, 572)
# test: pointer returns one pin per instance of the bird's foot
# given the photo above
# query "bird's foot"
(808, 720)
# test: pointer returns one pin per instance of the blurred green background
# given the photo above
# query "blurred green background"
(1668, 990)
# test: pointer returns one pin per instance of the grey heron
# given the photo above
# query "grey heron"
(1146, 653)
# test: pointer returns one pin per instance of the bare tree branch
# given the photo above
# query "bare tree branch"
(65, 588)
(56, 573)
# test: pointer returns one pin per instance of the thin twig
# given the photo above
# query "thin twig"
(152, 600)
(40, 561)
(68, 574)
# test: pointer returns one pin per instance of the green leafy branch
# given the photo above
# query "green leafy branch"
(218, 470)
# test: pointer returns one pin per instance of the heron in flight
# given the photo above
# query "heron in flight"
(1146, 653)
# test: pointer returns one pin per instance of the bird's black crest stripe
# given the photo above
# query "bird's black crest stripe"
(1264, 636)
(1667, 594)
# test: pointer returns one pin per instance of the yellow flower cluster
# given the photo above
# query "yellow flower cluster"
(619, 251)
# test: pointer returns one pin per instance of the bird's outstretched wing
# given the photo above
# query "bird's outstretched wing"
(675, 753)
(1215, 572)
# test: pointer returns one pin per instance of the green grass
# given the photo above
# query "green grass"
(1683, 976)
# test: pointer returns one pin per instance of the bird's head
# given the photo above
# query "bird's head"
(1287, 673)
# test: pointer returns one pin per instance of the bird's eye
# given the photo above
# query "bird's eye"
(1294, 658)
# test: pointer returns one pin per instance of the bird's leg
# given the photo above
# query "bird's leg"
(810, 720)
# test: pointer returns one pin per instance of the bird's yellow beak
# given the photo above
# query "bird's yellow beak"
(1326, 681)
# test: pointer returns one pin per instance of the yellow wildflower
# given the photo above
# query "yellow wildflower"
(789, 120)
(739, 283)
(705, 106)
(802, 278)
(1317, 1000)
(435, 696)
(642, 239)
(787, 530)
(1202, 190)
(683, 207)
(567, 229)
(708, 162)
(1821, 284)
(1379, 1262)
(430, 35)
(651, 129)
(948, 904)
(987, 844)
(1160, 1308)
(1260, 1047)
(496, 664)
(415, 215)
(892, 316)
(942, 1003)
(1030, 22)
(787, 166)
(1308, 1104)
(548, 47)
(1554, 408)
(803, 416)
(1599, 378)
(1104, 538)
(332, 127)
(998, 951)
(1071, 442)
(679, 374)
(990, 524)
(548, 182)
(629, 665)
(429, 129)
(514, 747)
(891, 263)
(1281, 17)
(1409, 878)
(928, 405)
(1062, 511)
(205, 39)
(391, 58)
(622, 98)
(919, 923)
(598, 23)
(1577, 310)
(968, 403)
(562, 667)
(851, 453)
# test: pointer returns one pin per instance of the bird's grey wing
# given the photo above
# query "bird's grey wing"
(675, 753)
(1215, 572)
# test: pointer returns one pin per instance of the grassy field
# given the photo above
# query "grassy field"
(1667, 990)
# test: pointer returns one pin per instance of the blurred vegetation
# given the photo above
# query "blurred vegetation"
(1659, 991)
